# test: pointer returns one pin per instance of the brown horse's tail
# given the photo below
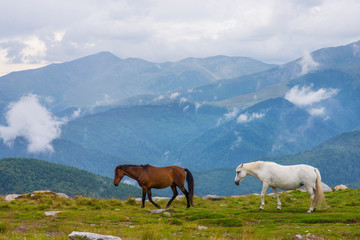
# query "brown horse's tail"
(191, 185)
(319, 194)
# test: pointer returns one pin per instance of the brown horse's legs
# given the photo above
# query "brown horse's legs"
(175, 193)
(186, 195)
(143, 198)
(150, 199)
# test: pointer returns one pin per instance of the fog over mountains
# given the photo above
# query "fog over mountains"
(100, 111)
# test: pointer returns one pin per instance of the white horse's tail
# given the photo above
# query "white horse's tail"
(319, 194)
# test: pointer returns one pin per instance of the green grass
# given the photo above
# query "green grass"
(231, 218)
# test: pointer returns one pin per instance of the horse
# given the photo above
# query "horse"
(284, 177)
(149, 177)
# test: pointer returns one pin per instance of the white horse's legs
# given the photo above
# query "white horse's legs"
(263, 192)
(277, 197)
(311, 192)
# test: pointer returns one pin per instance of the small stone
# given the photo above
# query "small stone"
(202, 228)
(91, 236)
(213, 197)
(157, 211)
(340, 187)
(51, 213)
(167, 214)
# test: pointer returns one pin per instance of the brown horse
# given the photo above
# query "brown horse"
(158, 177)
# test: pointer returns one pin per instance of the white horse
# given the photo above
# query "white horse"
(285, 177)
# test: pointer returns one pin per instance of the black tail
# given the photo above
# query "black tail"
(191, 185)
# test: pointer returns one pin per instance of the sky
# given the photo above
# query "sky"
(39, 32)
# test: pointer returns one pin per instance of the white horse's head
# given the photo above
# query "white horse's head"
(241, 173)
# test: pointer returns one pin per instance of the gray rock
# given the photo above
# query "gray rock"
(157, 211)
(325, 187)
(155, 199)
(51, 213)
(167, 214)
(340, 187)
(11, 197)
(213, 197)
(91, 236)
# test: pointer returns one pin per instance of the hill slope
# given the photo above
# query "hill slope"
(337, 159)
(20, 175)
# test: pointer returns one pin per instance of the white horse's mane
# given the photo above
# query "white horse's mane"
(251, 166)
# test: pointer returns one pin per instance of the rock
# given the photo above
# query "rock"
(91, 236)
(213, 197)
(340, 187)
(157, 211)
(62, 195)
(167, 214)
(11, 197)
(325, 187)
(51, 213)
(202, 228)
(155, 199)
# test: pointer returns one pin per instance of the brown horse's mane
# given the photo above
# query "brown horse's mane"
(126, 166)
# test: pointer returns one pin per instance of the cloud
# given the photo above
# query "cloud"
(232, 114)
(307, 63)
(317, 111)
(237, 142)
(268, 30)
(305, 96)
(29, 119)
(183, 100)
(174, 95)
(246, 117)
(228, 116)
(34, 50)
(105, 101)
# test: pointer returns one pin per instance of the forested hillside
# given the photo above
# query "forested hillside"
(23, 175)
(337, 159)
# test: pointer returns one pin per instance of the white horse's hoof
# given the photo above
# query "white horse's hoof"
(261, 208)
(278, 208)
(309, 211)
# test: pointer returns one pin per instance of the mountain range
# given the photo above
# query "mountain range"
(203, 114)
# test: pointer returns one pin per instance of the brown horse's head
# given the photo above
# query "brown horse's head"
(119, 174)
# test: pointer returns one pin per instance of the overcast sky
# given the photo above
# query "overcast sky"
(38, 32)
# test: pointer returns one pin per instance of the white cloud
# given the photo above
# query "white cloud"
(160, 97)
(34, 50)
(197, 106)
(76, 113)
(105, 101)
(183, 100)
(246, 117)
(27, 118)
(268, 30)
(305, 96)
(317, 111)
(228, 116)
(174, 95)
(307, 63)
(232, 114)
(237, 142)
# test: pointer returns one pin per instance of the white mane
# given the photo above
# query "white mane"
(253, 165)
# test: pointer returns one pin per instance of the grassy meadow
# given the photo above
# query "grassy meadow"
(231, 218)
